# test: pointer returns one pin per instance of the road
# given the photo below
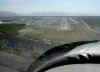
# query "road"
(89, 27)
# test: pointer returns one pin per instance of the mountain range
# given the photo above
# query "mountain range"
(8, 14)
(11, 14)
(54, 14)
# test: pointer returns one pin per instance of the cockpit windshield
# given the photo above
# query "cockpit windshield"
(29, 28)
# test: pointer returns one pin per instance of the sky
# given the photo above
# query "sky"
(68, 6)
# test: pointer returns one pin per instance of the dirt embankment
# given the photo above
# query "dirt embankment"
(19, 54)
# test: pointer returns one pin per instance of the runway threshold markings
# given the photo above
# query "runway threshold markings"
(64, 25)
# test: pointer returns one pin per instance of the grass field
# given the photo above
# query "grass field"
(58, 36)
(10, 29)
(94, 25)
(93, 22)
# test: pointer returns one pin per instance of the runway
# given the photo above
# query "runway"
(64, 25)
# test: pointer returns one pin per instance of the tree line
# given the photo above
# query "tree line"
(10, 29)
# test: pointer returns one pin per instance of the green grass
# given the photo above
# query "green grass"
(10, 29)
(37, 36)
(93, 22)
